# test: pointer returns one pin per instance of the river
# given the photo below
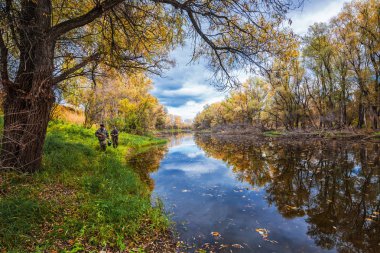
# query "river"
(238, 195)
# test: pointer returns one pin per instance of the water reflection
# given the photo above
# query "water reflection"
(146, 161)
(335, 184)
(268, 197)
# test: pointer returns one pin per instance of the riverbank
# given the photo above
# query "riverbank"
(172, 131)
(342, 134)
(81, 200)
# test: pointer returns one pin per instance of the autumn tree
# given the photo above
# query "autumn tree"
(44, 42)
(368, 22)
(327, 79)
(319, 56)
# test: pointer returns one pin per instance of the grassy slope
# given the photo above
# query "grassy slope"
(83, 199)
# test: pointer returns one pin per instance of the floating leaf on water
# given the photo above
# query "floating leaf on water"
(223, 246)
(263, 232)
(216, 234)
(237, 246)
(291, 207)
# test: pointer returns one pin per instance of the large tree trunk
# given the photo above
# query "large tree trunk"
(28, 101)
(25, 125)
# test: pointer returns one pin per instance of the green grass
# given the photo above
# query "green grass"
(272, 133)
(82, 199)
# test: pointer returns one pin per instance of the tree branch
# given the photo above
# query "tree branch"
(80, 21)
(66, 74)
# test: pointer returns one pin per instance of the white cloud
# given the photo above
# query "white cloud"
(314, 11)
(191, 89)
(191, 108)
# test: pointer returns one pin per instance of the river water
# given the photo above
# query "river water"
(239, 195)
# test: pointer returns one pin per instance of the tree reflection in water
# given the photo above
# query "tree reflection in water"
(336, 184)
(146, 161)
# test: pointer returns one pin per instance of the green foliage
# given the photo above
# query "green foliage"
(82, 199)
(272, 133)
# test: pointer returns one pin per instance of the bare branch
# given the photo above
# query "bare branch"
(67, 73)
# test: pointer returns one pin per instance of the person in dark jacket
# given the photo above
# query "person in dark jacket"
(115, 137)
(102, 135)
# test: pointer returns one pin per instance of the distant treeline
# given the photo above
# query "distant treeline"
(117, 100)
(329, 78)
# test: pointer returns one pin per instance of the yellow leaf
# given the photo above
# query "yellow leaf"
(237, 246)
(263, 232)
(216, 234)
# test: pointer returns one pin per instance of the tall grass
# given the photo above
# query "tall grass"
(82, 199)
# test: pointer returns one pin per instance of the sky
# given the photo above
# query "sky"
(185, 89)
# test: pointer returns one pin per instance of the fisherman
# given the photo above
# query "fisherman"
(102, 135)
(115, 137)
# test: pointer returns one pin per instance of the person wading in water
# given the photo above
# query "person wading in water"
(102, 135)
(115, 137)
